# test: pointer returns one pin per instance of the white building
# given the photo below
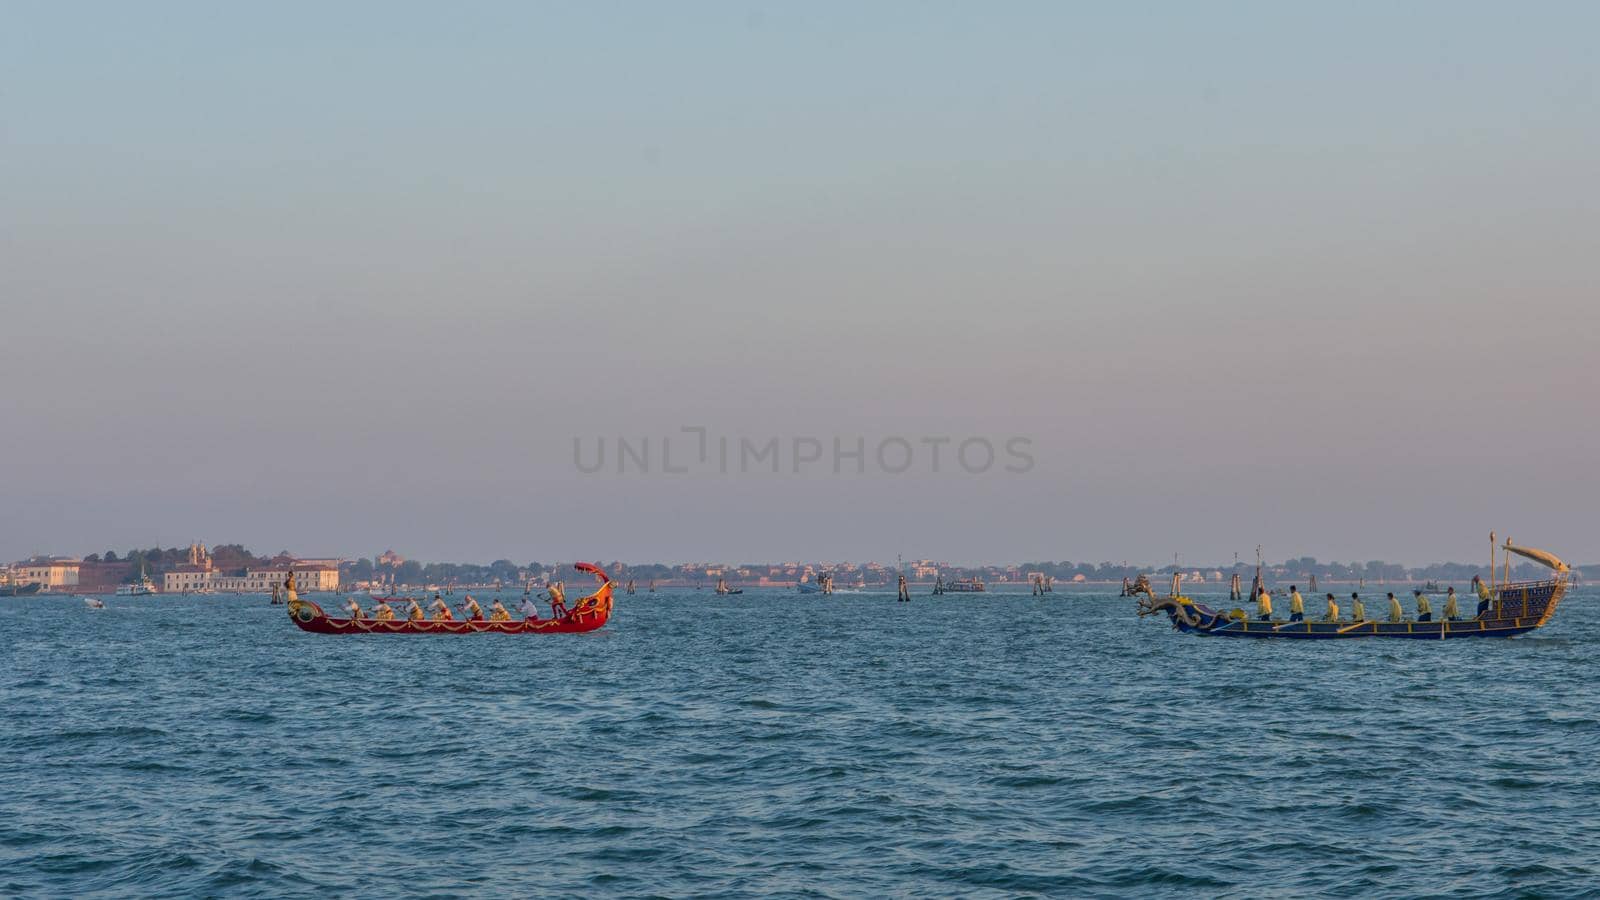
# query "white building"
(52, 573)
(195, 575)
(309, 576)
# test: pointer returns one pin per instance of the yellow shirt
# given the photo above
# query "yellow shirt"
(416, 614)
(1264, 603)
(1333, 611)
(1396, 614)
(1358, 611)
(1297, 604)
(1483, 591)
(1450, 608)
(355, 610)
(383, 612)
(498, 613)
(1423, 606)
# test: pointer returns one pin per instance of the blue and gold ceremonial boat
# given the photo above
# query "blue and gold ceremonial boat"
(1509, 609)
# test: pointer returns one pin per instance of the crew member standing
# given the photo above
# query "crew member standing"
(1451, 610)
(1333, 610)
(1264, 606)
(1358, 610)
(1396, 614)
(1424, 608)
(1484, 597)
(1297, 604)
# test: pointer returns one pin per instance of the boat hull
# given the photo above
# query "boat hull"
(1326, 631)
(318, 622)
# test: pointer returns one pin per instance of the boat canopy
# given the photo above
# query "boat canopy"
(1539, 556)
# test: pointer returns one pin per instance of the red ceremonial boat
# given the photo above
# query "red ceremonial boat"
(587, 614)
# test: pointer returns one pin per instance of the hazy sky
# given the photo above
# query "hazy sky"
(343, 277)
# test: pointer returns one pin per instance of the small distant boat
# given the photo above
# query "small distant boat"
(1432, 587)
(722, 588)
(964, 586)
(141, 588)
(94, 603)
(630, 586)
(19, 590)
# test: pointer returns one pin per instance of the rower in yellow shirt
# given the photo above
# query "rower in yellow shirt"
(1297, 604)
(1264, 606)
(558, 600)
(472, 609)
(1424, 608)
(1358, 610)
(441, 609)
(355, 609)
(498, 611)
(1333, 610)
(1396, 614)
(1484, 597)
(1451, 610)
(383, 612)
(415, 612)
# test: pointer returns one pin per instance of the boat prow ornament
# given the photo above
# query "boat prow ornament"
(1505, 608)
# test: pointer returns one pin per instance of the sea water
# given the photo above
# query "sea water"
(997, 744)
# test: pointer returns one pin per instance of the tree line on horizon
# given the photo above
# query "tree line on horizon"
(234, 559)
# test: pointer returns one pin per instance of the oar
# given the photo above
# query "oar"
(1353, 626)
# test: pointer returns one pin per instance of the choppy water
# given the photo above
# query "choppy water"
(851, 746)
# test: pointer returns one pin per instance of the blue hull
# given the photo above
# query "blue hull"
(1331, 631)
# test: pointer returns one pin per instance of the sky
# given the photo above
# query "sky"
(338, 278)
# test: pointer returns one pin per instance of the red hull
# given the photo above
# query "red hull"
(588, 614)
(321, 623)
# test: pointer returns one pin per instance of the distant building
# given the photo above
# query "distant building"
(51, 573)
(260, 579)
(390, 558)
(195, 575)
(198, 574)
